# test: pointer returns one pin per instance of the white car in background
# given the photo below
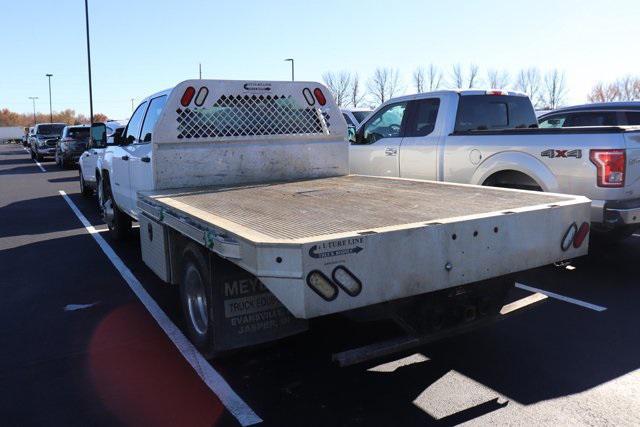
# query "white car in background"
(89, 160)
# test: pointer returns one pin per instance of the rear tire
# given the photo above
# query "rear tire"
(196, 299)
(119, 223)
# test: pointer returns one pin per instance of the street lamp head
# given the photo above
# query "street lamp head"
(289, 59)
(49, 75)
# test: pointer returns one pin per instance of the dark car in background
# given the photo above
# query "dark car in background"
(72, 144)
(600, 114)
(44, 140)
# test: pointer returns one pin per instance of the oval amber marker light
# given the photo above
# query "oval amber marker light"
(321, 285)
(582, 233)
(347, 281)
(567, 240)
(320, 96)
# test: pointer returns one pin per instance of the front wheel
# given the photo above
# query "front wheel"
(119, 223)
(85, 190)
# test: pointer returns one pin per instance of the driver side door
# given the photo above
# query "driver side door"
(377, 146)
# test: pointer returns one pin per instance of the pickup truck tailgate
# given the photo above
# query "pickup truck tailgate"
(388, 238)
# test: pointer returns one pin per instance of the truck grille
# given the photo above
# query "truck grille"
(251, 115)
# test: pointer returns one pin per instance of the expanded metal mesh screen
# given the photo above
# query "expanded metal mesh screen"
(251, 115)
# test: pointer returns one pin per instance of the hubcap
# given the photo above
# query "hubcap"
(106, 206)
(196, 300)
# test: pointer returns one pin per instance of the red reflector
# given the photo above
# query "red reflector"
(187, 96)
(320, 96)
(582, 233)
(610, 165)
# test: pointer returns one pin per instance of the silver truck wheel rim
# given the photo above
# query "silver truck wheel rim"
(196, 301)
(105, 206)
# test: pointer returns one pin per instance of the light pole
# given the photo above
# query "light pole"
(292, 68)
(132, 105)
(50, 109)
(33, 98)
(86, 18)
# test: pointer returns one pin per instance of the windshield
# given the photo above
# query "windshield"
(360, 115)
(78, 133)
(50, 129)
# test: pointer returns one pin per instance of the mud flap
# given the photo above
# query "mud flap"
(246, 312)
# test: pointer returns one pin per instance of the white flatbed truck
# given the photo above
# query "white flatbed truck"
(250, 209)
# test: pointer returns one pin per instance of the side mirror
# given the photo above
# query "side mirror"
(98, 134)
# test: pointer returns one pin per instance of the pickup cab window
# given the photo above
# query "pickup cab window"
(423, 120)
(153, 113)
(553, 122)
(490, 112)
(633, 118)
(387, 123)
(135, 124)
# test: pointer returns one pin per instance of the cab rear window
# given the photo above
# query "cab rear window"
(489, 112)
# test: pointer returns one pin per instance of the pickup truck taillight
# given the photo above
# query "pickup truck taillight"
(611, 166)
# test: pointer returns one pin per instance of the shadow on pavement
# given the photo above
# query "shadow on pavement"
(36, 216)
(16, 161)
(66, 179)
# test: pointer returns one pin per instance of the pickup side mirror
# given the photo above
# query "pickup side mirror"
(98, 135)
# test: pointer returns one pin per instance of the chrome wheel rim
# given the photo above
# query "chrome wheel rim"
(196, 300)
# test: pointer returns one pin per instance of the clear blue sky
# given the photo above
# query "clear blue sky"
(142, 46)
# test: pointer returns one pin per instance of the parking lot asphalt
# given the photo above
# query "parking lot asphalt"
(79, 348)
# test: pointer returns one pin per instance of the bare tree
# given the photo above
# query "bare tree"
(355, 97)
(529, 82)
(434, 77)
(339, 84)
(555, 89)
(418, 79)
(604, 93)
(457, 76)
(498, 79)
(473, 75)
(384, 84)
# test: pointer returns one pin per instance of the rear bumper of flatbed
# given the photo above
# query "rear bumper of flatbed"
(396, 237)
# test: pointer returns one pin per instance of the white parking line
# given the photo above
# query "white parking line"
(562, 297)
(37, 162)
(243, 413)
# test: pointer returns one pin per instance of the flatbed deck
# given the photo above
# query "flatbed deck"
(302, 210)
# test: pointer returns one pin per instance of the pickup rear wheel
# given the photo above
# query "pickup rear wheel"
(119, 223)
(196, 298)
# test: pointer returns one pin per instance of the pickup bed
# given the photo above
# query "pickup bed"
(246, 203)
(491, 138)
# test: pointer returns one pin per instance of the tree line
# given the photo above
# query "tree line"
(68, 116)
(547, 90)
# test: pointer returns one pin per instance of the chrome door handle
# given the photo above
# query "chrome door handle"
(390, 151)
(125, 157)
(146, 159)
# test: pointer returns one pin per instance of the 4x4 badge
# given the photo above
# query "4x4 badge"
(562, 153)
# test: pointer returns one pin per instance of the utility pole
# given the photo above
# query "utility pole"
(292, 68)
(86, 18)
(200, 70)
(33, 98)
(50, 109)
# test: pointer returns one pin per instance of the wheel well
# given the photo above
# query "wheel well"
(512, 179)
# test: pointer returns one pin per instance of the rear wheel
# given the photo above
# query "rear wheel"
(119, 223)
(196, 297)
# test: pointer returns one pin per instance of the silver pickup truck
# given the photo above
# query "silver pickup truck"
(492, 138)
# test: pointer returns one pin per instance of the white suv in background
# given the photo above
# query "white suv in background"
(88, 162)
